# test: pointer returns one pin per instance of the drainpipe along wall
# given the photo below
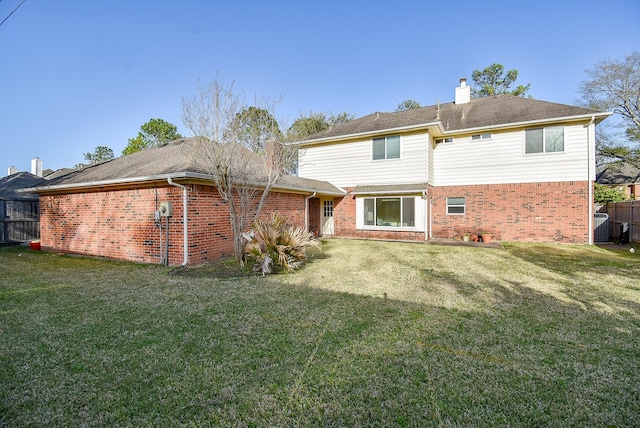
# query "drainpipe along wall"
(185, 222)
(590, 142)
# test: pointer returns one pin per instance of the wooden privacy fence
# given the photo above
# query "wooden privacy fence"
(624, 212)
(19, 221)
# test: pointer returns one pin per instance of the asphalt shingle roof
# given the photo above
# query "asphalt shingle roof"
(487, 112)
(177, 159)
(10, 185)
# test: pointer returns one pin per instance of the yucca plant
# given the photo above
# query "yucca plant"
(277, 245)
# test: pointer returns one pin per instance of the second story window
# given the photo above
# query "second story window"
(485, 136)
(386, 148)
(544, 140)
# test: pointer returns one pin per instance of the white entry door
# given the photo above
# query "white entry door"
(327, 217)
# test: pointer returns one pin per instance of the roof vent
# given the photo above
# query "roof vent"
(463, 92)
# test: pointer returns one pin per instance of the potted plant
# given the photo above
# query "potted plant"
(465, 237)
(474, 237)
(486, 236)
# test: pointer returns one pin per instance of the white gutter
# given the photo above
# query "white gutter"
(306, 211)
(590, 127)
(185, 222)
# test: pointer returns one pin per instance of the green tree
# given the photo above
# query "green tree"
(152, 134)
(100, 154)
(253, 127)
(311, 123)
(604, 194)
(614, 85)
(408, 105)
(494, 81)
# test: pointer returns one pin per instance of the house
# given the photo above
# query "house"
(18, 211)
(156, 206)
(520, 168)
(621, 176)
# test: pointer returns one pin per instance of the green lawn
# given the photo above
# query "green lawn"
(366, 334)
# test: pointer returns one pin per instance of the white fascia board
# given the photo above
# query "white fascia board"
(580, 118)
(104, 183)
(368, 133)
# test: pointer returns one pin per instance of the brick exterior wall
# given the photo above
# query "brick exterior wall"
(119, 224)
(534, 212)
(315, 216)
(531, 212)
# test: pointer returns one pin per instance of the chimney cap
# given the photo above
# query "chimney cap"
(463, 81)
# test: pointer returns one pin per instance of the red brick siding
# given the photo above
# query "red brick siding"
(119, 224)
(314, 216)
(537, 212)
(534, 212)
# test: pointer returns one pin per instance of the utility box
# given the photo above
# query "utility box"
(601, 227)
(166, 209)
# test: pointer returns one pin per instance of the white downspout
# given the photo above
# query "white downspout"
(185, 227)
(591, 173)
(306, 212)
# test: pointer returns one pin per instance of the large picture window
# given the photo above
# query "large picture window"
(386, 148)
(390, 211)
(544, 140)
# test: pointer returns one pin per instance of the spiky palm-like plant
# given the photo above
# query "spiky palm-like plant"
(283, 247)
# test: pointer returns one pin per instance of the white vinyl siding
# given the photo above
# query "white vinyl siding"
(350, 163)
(503, 159)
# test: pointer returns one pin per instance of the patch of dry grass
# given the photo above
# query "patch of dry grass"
(367, 333)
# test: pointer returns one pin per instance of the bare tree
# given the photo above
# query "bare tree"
(243, 172)
(614, 85)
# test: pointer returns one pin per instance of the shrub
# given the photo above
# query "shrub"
(275, 245)
(605, 194)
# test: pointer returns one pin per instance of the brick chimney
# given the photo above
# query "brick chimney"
(463, 92)
(273, 153)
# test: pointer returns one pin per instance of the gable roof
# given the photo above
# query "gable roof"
(11, 184)
(480, 113)
(173, 160)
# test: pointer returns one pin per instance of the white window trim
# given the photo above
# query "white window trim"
(544, 145)
(447, 140)
(464, 206)
(482, 136)
(418, 214)
(385, 149)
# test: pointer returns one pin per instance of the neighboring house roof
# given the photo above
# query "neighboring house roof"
(58, 173)
(480, 113)
(11, 184)
(176, 160)
(618, 173)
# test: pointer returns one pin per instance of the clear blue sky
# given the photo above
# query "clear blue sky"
(79, 74)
